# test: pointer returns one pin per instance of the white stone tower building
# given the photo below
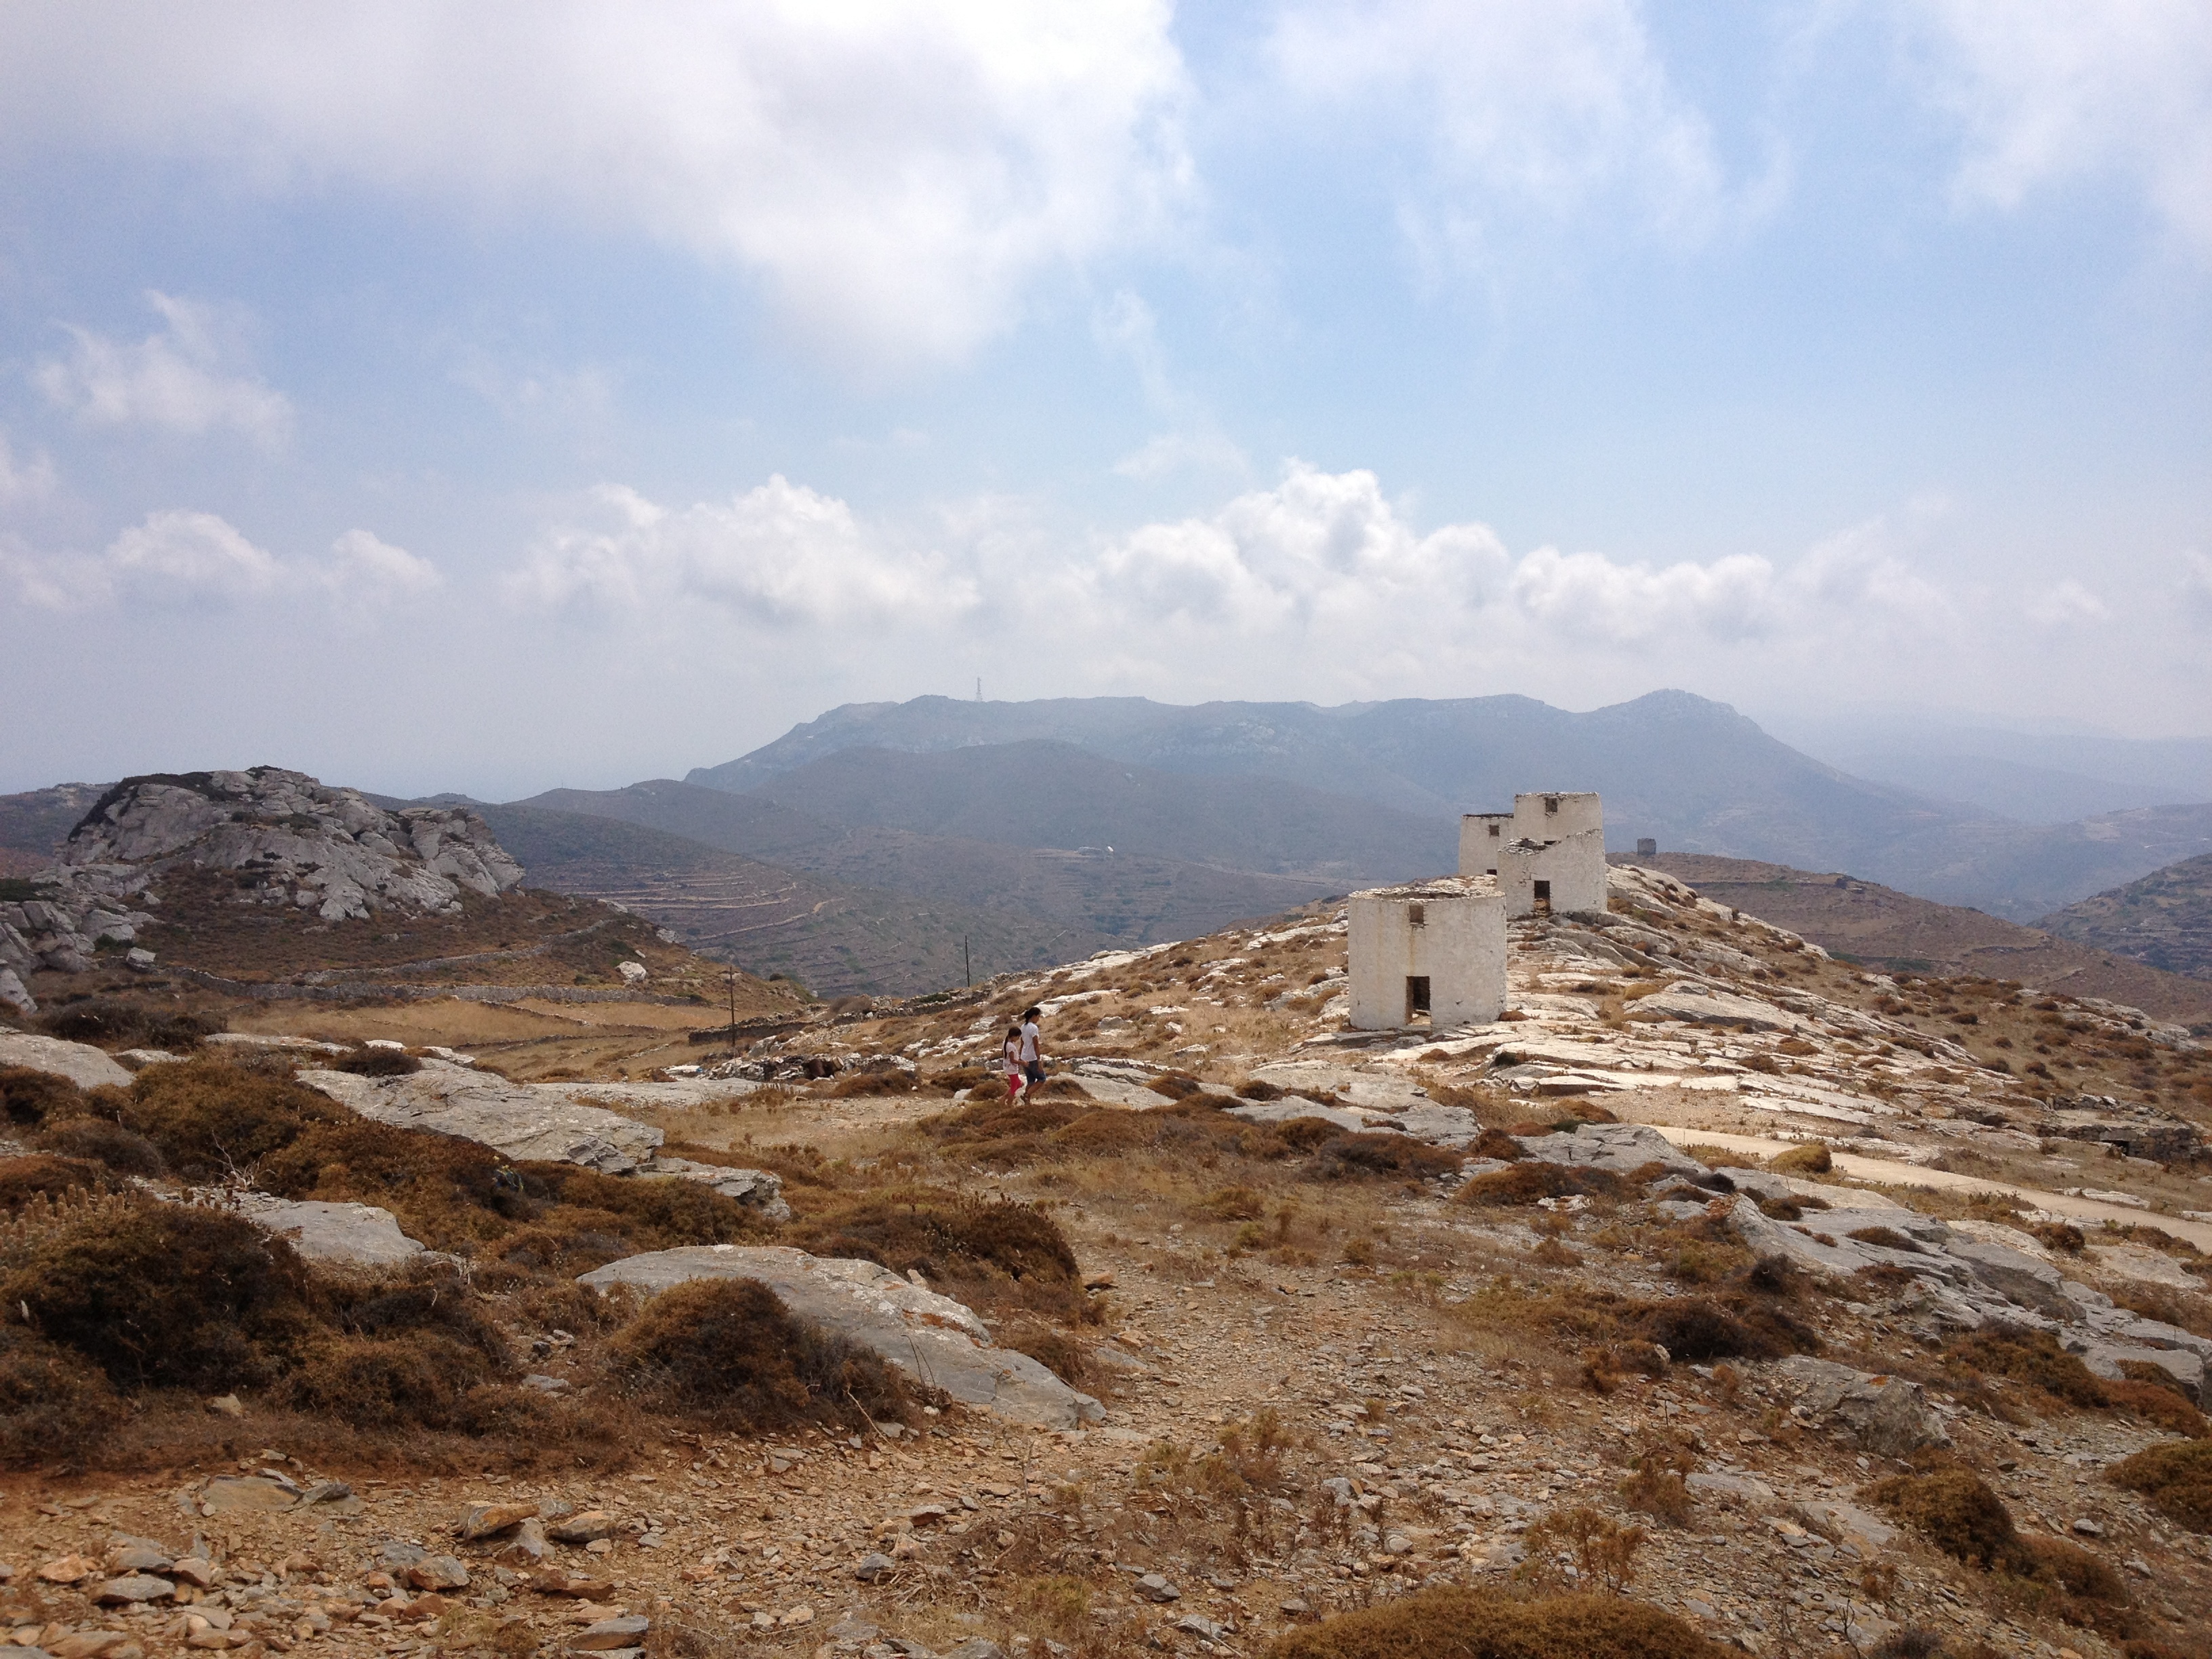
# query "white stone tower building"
(1547, 854)
(1434, 947)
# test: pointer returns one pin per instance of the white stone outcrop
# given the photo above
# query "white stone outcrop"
(1883, 1414)
(512, 1118)
(80, 1062)
(932, 1338)
(356, 1235)
(288, 839)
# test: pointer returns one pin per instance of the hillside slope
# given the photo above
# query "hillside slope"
(1884, 928)
(833, 937)
(2165, 919)
(1021, 906)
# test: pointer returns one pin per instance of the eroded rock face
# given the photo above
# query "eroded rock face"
(290, 840)
(932, 1338)
(512, 1118)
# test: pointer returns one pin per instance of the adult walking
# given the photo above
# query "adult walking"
(1033, 1047)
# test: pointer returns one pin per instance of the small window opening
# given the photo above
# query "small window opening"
(1416, 996)
(1543, 895)
(1550, 803)
(1494, 831)
(1489, 872)
(1417, 915)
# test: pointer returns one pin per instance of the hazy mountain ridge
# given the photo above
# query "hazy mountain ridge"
(1693, 775)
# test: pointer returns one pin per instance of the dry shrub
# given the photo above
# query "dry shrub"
(1058, 1352)
(1720, 1158)
(2061, 1235)
(51, 1401)
(1496, 1143)
(1887, 1238)
(1698, 1330)
(103, 1141)
(414, 1378)
(2177, 1478)
(1813, 1157)
(1604, 1551)
(213, 1119)
(1058, 1605)
(1659, 1486)
(22, 1179)
(1962, 1518)
(163, 1295)
(2031, 1357)
(2153, 1392)
(1604, 1366)
(115, 1023)
(1358, 1154)
(728, 1351)
(2190, 1311)
(1235, 1204)
(1955, 1511)
(1532, 1179)
(28, 1097)
(1448, 1622)
(1002, 1254)
(377, 1062)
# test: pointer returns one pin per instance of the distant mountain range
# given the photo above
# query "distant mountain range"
(869, 848)
(1694, 775)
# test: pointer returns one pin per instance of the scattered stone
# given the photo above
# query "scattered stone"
(194, 1570)
(227, 1405)
(69, 1570)
(92, 1644)
(1153, 1587)
(975, 1647)
(588, 1527)
(438, 1572)
(137, 1558)
(526, 1546)
(874, 1565)
(487, 1520)
(134, 1587)
(609, 1634)
(2088, 1528)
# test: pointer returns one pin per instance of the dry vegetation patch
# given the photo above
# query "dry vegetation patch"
(1453, 1622)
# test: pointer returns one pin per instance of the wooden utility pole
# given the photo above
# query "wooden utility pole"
(966, 968)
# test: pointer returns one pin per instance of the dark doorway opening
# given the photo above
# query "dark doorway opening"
(1543, 895)
(1417, 997)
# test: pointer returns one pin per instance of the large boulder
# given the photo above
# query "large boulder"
(512, 1118)
(1701, 1004)
(80, 1062)
(933, 1337)
(358, 1235)
(1882, 1414)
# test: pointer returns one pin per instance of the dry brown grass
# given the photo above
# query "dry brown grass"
(1452, 1623)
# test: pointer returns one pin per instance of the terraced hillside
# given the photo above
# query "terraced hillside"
(2165, 919)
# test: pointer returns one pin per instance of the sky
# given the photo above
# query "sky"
(500, 397)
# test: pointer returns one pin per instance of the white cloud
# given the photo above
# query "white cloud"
(1590, 596)
(1551, 112)
(173, 380)
(896, 171)
(780, 554)
(2197, 586)
(2050, 92)
(363, 567)
(178, 559)
(2066, 604)
(23, 480)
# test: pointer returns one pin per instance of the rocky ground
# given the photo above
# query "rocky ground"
(1461, 1320)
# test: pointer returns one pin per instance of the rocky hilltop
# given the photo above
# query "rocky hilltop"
(2165, 919)
(287, 839)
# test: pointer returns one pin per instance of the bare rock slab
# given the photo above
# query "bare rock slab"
(1883, 1414)
(932, 1338)
(80, 1062)
(513, 1119)
(361, 1235)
